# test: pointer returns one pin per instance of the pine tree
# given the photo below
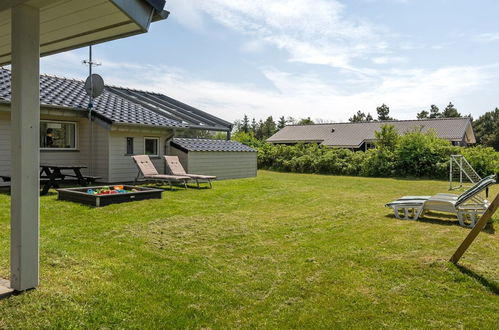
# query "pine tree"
(245, 124)
(281, 123)
(450, 111)
(435, 112)
(423, 114)
(269, 128)
(358, 117)
(254, 126)
(305, 121)
(383, 112)
(259, 130)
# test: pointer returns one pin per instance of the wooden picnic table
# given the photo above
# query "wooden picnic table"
(53, 174)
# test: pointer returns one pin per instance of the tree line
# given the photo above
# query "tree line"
(262, 130)
(486, 127)
(383, 112)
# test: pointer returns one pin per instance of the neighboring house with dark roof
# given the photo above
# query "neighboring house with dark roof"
(124, 122)
(360, 136)
(224, 159)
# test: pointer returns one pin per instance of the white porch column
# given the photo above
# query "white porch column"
(25, 123)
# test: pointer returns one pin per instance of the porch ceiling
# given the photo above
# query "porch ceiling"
(69, 24)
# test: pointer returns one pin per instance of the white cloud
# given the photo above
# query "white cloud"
(487, 37)
(186, 13)
(297, 95)
(389, 60)
(253, 46)
(311, 31)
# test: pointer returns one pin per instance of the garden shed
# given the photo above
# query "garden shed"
(222, 158)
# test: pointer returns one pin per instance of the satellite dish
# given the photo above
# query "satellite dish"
(97, 85)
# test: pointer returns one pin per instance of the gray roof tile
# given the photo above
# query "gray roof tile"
(352, 135)
(209, 145)
(70, 93)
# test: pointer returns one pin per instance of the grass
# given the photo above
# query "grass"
(277, 251)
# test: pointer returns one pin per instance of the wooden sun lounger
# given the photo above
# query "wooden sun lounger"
(176, 168)
(149, 172)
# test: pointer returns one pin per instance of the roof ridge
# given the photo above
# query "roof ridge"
(83, 81)
(202, 139)
(134, 89)
(380, 121)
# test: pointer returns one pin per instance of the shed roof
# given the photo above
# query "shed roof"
(117, 105)
(185, 144)
(352, 135)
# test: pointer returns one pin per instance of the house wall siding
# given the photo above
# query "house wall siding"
(182, 157)
(100, 151)
(59, 157)
(224, 165)
(121, 166)
(4, 143)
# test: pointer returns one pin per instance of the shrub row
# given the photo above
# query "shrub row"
(414, 154)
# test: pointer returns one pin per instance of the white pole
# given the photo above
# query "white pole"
(25, 153)
(450, 173)
(90, 106)
(461, 171)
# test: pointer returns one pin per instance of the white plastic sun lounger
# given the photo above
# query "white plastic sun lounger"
(447, 195)
(149, 172)
(467, 205)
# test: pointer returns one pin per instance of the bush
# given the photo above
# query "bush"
(412, 154)
(379, 162)
(485, 160)
(423, 155)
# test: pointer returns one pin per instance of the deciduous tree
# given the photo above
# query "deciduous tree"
(486, 129)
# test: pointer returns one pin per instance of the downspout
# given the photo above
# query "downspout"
(167, 151)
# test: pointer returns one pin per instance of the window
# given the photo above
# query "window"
(129, 145)
(57, 135)
(151, 146)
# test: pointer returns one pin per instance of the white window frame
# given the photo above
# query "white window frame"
(62, 122)
(157, 145)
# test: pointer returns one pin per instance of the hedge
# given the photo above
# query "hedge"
(414, 154)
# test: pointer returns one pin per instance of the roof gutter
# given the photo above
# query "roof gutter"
(142, 12)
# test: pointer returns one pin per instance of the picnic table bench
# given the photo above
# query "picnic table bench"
(5, 181)
(51, 175)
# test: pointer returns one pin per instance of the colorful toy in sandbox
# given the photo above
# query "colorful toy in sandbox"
(110, 190)
(106, 195)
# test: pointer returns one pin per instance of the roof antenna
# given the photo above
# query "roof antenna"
(94, 86)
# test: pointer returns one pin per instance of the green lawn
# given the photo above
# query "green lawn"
(277, 251)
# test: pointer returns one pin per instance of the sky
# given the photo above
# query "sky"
(323, 59)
